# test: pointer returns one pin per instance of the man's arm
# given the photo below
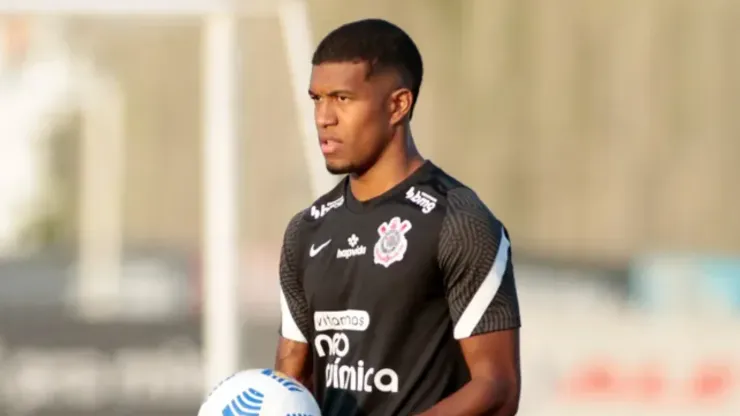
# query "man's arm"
(475, 256)
(294, 359)
(495, 384)
(293, 356)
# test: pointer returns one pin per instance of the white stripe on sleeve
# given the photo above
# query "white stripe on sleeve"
(483, 297)
(289, 328)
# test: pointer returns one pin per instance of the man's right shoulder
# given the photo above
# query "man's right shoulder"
(320, 209)
(323, 206)
(304, 221)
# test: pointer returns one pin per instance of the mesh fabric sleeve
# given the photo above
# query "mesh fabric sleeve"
(475, 257)
(294, 311)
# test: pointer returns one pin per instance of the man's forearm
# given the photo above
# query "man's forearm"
(305, 377)
(479, 397)
(292, 358)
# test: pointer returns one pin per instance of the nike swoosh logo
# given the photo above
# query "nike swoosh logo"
(315, 250)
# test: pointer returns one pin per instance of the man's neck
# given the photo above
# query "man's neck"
(392, 168)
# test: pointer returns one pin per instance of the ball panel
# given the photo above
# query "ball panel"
(260, 392)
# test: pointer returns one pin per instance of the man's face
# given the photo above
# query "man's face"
(353, 114)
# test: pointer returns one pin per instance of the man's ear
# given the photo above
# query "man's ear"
(401, 101)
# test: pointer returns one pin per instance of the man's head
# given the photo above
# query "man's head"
(365, 82)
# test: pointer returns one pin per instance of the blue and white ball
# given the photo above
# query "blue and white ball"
(261, 392)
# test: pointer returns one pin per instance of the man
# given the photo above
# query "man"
(397, 288)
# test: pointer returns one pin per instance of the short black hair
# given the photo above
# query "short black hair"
(378, 42)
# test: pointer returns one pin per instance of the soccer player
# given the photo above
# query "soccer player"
(397, 288)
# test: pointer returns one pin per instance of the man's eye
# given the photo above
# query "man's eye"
(342, 98)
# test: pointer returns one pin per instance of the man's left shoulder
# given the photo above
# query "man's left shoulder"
(458, 199)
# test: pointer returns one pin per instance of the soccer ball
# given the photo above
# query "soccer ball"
(260, 392)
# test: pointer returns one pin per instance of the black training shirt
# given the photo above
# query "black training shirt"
(383, 289)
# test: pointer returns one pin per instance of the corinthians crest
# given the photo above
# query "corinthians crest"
(392, 244)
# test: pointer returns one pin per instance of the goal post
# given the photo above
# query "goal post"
(296, 30)
(144, 8)
(221, 330)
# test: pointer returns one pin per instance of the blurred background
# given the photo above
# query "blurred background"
(605, 135)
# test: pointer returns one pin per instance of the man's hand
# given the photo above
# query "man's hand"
(495, 384)
(294, 359)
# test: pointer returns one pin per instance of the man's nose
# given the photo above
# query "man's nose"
(324, 114)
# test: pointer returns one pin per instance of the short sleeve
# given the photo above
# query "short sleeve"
(295, 318)
(475, 258)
